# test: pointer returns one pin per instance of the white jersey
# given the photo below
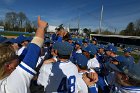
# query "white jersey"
(93, 63)
(20, 50)
(79, 51)
(18, 81)
(61, 77)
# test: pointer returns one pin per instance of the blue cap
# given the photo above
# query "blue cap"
(28, 38)
(101, 46)
(94, 39)
(13, 40)
(81, 60)
(111, 48)
(90, 49)
(63, 48)
(70, 38)
(2, 39)
(79, 43)
(127, 49)
(21, 38)
(85, 41)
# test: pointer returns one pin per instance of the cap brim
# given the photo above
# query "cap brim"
(114, 67)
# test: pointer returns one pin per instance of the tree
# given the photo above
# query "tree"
(11, 20)
(15, 21)
(21, 18)
(107, 33)
(137, 27)
(28, 26)
(130, 29)
(87, 31)
(1, 23)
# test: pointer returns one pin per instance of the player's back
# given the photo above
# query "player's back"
(62, 78)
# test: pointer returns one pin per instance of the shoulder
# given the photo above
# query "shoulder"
(46, 67)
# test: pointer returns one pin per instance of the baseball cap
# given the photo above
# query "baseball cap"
(21, 38)
(111, 48)
(90, 49)
(127, 49)
(81, 60)
(101, 46)
(63, 48)
(28, 38)
(85, 41)
(94, 39)
(2, 39)
(11, 41)
(78, 42)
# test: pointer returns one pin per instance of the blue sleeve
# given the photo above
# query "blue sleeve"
(59, 39)
(32, 55)
(92, 89)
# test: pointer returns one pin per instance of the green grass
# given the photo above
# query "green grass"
(14, 34)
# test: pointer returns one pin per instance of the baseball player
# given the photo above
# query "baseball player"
(127, 76)
(61, 76)
(86, 74)
(128, 56)
(15, 77)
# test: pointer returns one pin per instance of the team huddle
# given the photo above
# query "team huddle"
(62, 65)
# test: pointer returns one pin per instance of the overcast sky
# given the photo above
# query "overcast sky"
(116, 15)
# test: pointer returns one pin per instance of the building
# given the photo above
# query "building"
(1, 28)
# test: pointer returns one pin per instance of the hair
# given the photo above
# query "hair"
(7, 54)
(66, 37)
(92, 56)
(83, 67)
(63, 56)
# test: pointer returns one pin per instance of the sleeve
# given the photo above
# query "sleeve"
(21, 77)
(82, 87)
(23, 74)
(32, 55)
(59, 39)
(93, 89)
(43, 76)
(93, 63)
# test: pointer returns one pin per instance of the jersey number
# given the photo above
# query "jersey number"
(67, 85)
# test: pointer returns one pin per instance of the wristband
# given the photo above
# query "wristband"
(38, 41)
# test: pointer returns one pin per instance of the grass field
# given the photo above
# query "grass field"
(12, 33)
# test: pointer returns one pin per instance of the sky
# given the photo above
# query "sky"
(116, 13)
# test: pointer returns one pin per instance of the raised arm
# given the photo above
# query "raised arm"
(34, 47)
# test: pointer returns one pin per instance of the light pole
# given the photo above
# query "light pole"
(101, 18)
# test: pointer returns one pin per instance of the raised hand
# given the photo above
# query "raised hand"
(42, 24)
